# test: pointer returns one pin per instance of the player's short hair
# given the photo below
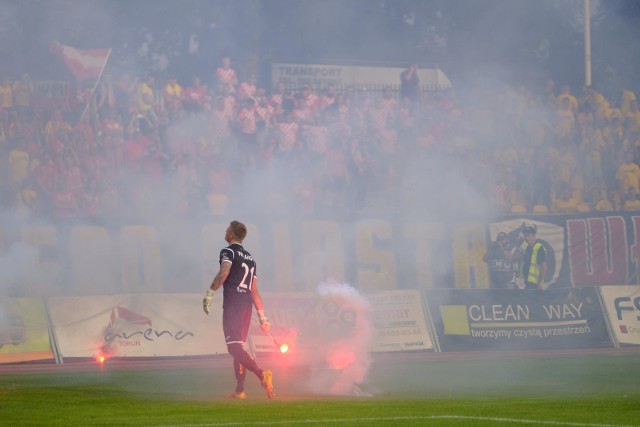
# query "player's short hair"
(238, 229)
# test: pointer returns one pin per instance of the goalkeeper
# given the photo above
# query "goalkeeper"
(238, 278)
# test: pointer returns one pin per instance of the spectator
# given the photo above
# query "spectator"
(147, 101)
(83, 136)
(247, 134)
(219, 126)
(287, 137)
(106, 95)
(308, 102)
(389, 102)
(539, 190)
(265, 113)
(57, 133)
(45, 175)
(316, 138)
(231, 104)
(340, 109)
(379, 116)
(248, 89)
(328, 97)
(226, 75)
(126, 96)
(18, 162)
(608, 202)
(73, 179)
(632, 118)
(3, 138)
(565, 121)
(631, 200)
(135, 144)
(500, 193)
(562, 200)
(218, 189)
(89, 201)
(549, 97)
(26, 201)
(174, 97)
(563, 166)
(565, 94)
(628, 174)
(77, 100)
(6, 100)
(22, 93)
(410, 84)
(361, 173)
(65, 202)
(113, 138)
(601, 105)
(591, 151)
(615, 134)
(336, 172)
(196, 96)
(278, 96)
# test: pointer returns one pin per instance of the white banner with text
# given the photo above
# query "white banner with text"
(622, 304)
(145, 325)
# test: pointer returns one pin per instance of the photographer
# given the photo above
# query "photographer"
(502, 258)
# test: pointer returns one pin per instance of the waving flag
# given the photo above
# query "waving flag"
(83, 63)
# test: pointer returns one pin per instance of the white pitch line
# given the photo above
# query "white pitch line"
(378, 419)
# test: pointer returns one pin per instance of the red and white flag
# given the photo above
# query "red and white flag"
(83, 63)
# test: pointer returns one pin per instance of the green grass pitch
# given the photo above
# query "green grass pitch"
(594, 390)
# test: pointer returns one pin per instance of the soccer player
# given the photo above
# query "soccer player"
(237, 275)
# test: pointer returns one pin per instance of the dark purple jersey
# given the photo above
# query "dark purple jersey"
(238, 285)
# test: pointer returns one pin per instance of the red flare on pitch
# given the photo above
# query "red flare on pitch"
(282, 347)
(102, 357)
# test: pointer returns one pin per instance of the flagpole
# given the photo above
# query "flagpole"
(95, 86)
(587, 43)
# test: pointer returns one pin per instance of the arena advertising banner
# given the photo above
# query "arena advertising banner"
(144, 325)
(399, 321)
(291, 316)
(503, 319)
(622, 304)
(337, 313)
(319, 76)
(24, 330)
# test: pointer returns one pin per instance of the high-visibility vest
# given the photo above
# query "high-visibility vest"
(533, 275)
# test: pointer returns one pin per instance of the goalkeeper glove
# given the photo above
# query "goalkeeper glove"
(206, 302)
(264, 324)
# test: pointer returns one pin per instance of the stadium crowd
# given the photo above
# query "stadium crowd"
(127, 146)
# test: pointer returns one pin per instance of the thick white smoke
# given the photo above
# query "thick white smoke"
(336, 346)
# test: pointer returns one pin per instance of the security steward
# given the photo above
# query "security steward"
(534, 260)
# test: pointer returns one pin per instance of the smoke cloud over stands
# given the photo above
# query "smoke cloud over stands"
(427, 185)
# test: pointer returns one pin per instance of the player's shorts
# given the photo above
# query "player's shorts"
(235, 323)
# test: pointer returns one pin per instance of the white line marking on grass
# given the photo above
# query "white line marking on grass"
(378, 419)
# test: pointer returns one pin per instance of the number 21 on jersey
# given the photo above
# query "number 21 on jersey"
(247, 279)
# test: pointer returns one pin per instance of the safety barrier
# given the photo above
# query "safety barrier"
(160, 325)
